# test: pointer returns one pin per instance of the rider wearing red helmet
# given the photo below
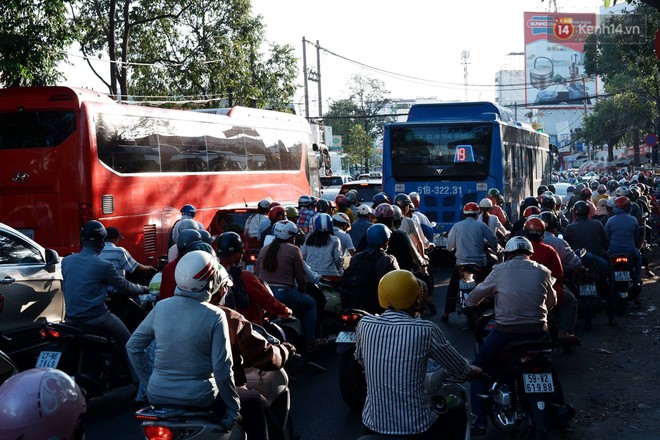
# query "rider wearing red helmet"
(342, 202)
(467, 238)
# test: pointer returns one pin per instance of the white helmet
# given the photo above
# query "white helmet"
(285, 230)
(342, 217)
(519, 244)
(199, 271)
(364, 210)
(485, 203)
(621, 191)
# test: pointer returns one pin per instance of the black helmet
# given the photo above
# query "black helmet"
(581, 209)
(322, 205)
(206, 236)
(93, 235)
(402, 200)
(548, 202)
(541, 190)
(530, 201)
(549, 218)
(186, 238)
(229, 243)
(379, 198)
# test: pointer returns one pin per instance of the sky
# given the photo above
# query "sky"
(415, 44)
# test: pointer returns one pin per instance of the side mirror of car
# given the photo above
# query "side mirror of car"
(51, 260)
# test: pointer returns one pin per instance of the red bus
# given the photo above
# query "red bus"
(71, 155)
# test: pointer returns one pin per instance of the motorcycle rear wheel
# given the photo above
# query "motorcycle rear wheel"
(352, 383)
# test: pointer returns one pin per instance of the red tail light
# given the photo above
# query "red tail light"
(49, 333)
(621, 260)
(158, 433)
(252, 258)
(350, 318)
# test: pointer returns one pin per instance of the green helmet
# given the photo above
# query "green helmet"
(493, 192)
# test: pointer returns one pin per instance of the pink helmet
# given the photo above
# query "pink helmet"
(41, 403)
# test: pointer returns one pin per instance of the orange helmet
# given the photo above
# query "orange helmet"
(534, 229)
(531, 210)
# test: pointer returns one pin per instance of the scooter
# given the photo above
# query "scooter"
(449, 399)
(624, 288)
(525, 398)
(88, 354)
(466, 283)
(446, 394)
(182, 423)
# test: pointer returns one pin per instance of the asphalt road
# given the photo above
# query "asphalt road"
(318, 411)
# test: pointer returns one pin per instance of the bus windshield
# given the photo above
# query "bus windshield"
(441, 151)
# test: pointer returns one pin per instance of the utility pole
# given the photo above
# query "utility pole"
(318, 72)
(312, 75)
(305, 79)
(465, 56)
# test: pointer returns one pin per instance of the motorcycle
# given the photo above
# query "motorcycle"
(89, 354)
(466, 283)
(332, 310)
(446, 394)
(586, 290)
(449, 399)
(525, 398)
(182, 423)
(624, 288)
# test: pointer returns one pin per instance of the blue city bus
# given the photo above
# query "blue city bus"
(453, 153)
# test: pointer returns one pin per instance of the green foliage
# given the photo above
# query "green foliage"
(363, 108)
(632, 81)
(34, 36)
(199, 49)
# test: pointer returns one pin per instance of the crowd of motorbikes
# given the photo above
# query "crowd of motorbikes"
(525, 395)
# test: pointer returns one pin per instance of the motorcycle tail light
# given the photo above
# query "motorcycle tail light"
(621, 260)
(158, 433)
(350, 318)
(252, 258)
(49, 333)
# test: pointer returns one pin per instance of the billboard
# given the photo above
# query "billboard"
(554, 60)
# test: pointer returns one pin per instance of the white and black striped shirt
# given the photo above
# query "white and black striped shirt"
(394, 348)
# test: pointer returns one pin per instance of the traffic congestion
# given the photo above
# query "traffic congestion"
(261, 296)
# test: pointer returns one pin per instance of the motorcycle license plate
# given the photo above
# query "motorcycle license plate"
(345, 338)
(538, 383)
(588, 290)
(48, 359)
(464, 285)
(623, 275)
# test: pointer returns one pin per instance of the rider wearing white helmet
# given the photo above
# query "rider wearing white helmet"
(188, 328)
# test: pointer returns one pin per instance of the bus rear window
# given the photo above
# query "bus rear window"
(443, 151)
(35, 129)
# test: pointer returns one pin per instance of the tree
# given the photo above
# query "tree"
(204, 49)
(365, 106)
(360, 147)
(34, 36)
(632, 78)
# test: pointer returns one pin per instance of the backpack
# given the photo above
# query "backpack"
(359, 283)
(237, 297)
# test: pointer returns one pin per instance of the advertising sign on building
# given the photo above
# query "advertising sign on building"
(554, 60)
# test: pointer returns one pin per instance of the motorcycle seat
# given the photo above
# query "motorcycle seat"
(516, 348)
(176, 412)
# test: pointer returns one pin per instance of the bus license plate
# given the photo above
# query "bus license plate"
(345, 338)
(588, 290)
(539, 383)
(623, 275)
(48, 359)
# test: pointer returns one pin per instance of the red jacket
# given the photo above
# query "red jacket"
(260, 300)
(167, 282)
(546, 255)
